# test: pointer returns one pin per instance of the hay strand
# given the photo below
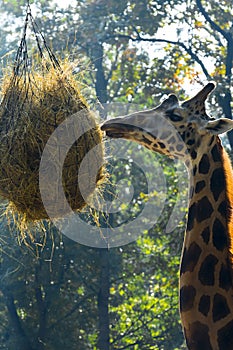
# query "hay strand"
(33, 106)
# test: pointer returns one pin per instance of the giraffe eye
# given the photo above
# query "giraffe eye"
(175, 117)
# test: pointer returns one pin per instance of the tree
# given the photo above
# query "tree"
(205, 35)
(46, 296)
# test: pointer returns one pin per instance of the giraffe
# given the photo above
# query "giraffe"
(185, 131)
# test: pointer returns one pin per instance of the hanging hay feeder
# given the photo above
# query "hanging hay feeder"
(36, 100)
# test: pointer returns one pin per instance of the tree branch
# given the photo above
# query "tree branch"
(130, 345)
(69, 313)
(192, 54)
(214, 25)
(132, 328)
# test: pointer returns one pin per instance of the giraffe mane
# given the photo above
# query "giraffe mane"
(227, 167)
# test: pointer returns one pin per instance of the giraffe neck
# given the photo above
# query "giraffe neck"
(206, 293)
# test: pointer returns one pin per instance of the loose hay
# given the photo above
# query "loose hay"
(33, 106)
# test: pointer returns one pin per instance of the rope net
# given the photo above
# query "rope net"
(40, 93)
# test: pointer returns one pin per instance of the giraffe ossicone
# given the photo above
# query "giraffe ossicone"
(185, 131)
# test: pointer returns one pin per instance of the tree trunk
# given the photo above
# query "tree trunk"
(42, 312)
(101, 83)
(225, 104)
(103, 300)
(97, 54)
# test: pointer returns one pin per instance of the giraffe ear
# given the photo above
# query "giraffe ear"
(219, 126)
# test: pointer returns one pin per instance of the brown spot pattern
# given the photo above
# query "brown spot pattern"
(146, 141)
(187, 296)
(190, 258)
(204, 305)
(223, 208)
(199, 186)
(199, 337)
(225, 281)
(179, 147)
(194, 154)
(191, 216)
(225, 337)
(215, 154)
(172, 140)
(194, 170)
(219, 235)
(220, 307)
(204, 209)
(191, 190)
(161, 145)
(190, 142)
(206, 272)
(204, 165)
(217, 182)
(211, 140)
(206, 235)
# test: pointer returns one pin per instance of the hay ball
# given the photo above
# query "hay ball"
(33, 106)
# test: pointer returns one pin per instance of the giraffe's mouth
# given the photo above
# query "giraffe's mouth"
(117, 130)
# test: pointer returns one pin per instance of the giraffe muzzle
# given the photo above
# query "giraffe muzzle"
(117, 130)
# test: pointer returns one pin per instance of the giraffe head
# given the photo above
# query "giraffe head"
(174, 129)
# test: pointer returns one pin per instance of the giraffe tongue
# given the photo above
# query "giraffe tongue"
(114, 134)
(113, 129)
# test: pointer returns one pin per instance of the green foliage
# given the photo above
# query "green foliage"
(144, 298)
